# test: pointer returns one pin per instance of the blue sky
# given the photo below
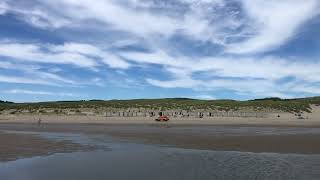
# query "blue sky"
(124, 49)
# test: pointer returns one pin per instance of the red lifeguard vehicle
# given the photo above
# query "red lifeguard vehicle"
(162, 118)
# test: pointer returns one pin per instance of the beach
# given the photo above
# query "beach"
(277, 147)
(284, 134)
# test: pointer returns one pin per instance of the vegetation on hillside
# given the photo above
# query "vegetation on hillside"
(267, 104)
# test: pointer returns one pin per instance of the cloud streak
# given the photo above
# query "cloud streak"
(80, 55)
(243, 75)
(32, 74)
(22, 80)
(40, 93)
(273, 23)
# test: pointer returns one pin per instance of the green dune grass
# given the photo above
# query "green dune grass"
(267, 104)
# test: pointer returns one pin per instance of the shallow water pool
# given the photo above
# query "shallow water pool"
(125, 160)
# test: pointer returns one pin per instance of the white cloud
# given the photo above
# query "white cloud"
(186, 82)
(157, 57)
(143, 22)
(120, 17)
(89, 50)
(22, 80)
(35, 16)
(3, 8)
(204, 97)
(80, 55)
(35, 53)
(206, 2)
(265, 24)
(42, 93)
(245, 67)
(32, 74)
(273, 23)
(42, 19)
(308, 88)
(245, 86)
(130, 16)
(243, 75)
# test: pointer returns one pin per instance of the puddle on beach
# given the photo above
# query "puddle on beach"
(125, 160)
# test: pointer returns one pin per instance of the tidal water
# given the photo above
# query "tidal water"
(124, 160)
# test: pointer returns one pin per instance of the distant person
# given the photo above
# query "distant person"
(39, 122)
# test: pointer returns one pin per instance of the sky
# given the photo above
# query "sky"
(131, 49)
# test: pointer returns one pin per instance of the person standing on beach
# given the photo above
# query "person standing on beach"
(39, 122)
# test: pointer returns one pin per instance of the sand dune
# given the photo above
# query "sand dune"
(289, 119)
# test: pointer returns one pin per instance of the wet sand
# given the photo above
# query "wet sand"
(14, 146)
(299, 144)
(219, 138)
